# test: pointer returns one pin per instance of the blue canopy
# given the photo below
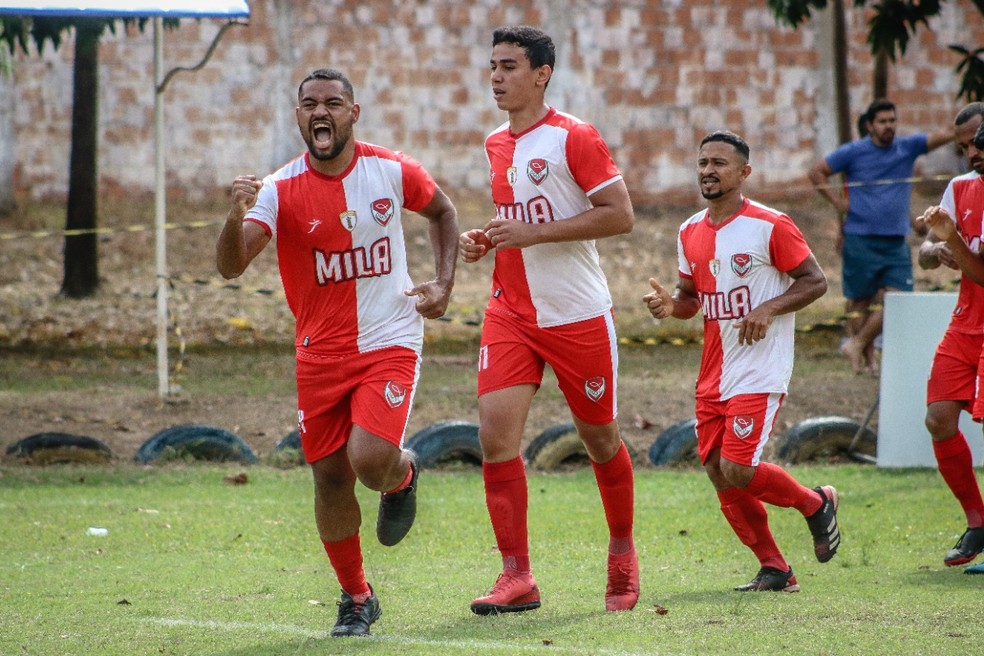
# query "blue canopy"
(130, 8)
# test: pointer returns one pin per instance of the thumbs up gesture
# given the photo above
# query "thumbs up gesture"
(659, 301)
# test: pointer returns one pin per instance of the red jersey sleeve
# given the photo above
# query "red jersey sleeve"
(787, 245)
(418, 185)
(588, 157)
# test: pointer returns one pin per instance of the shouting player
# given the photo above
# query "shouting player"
(337, 214)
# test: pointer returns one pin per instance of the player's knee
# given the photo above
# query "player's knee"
(736, 474)
(940, 426)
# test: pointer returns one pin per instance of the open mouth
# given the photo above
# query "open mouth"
(321, 133)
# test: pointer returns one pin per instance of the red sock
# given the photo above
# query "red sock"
(616, 484)
(346, 559)
(750, 522)
(956, 465)
(507, 498)
(773, 485)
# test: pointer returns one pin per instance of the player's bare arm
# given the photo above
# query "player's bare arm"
(434, 295)
(240, 242)
(682, 304)
(610, 215)
(809, 284)
(942, 226)
(934, 252)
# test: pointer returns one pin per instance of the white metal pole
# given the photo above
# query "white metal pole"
(160, 239)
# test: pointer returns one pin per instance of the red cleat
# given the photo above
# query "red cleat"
(513, 592)
(622, 592)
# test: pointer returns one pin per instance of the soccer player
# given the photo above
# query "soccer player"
(748, 269)
(556, 190)
(958, 363)
(337, 213)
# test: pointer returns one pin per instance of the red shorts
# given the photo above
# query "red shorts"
(740, 426)
(954, 374)
(373, 390)
(977, 409)
(583, 355)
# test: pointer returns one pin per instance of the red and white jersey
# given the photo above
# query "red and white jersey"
(964, 200)
(736, 266)
(341, 250)
(543, 174)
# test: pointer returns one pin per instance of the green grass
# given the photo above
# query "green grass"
(194, 565)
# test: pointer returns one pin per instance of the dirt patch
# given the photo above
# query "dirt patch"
(76, 342)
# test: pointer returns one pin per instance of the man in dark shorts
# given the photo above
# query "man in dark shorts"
(874, 221)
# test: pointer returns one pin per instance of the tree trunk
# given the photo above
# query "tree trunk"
(844, 121)
(880, 78)
(81, 255)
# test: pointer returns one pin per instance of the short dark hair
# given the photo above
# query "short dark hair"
(968, 112)
(328, 74)
(536, 43)
(880, 105)
(979, 137)
(862, 126)
(731, 138)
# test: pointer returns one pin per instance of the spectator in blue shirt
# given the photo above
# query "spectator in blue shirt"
(874, 220)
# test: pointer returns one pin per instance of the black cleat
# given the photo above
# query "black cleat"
(823, 524)
(354, 619)
(770, 579)
(398, 510)
(967, 547)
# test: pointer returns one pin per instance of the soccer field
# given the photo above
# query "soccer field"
(193, 564)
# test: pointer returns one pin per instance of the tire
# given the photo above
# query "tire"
(195, 442)
(676, 446)
(558, 447)
(827, 438)
(446, 442)
(291, 440)
(287, 452)
(57, 448)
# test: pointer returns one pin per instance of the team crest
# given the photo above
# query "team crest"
(537, 170)
(511, 175)
(741, 264)
(595, 388)
(349, 219)
(395, 394)
(715, 267)
(382, 211)
(743, 426)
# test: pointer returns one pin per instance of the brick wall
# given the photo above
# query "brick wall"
(653, 76)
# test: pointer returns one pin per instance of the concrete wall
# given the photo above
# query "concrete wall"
(653, 76)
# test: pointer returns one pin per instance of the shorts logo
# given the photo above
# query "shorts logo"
(741, 264)
(715, 267)
(349, 219)
(595, 388)
(301, 428)
(743, 426)
(511, 175)
(537, 170)
(382, 211)
(395, 394)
